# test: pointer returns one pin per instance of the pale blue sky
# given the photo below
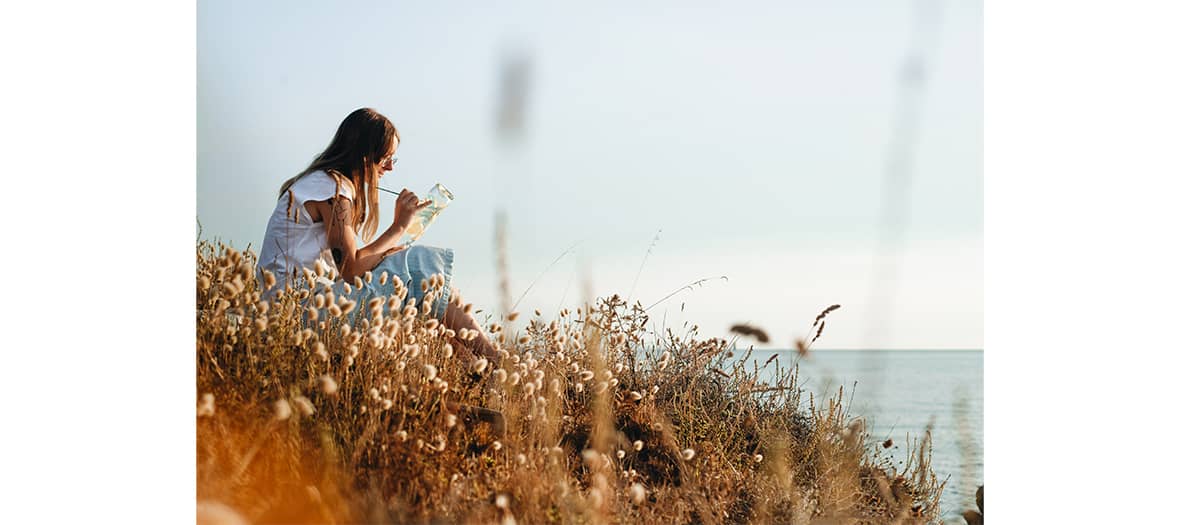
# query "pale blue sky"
(753, 136)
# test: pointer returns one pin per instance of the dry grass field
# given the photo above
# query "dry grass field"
(315, 409)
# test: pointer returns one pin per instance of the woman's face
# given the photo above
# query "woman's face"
(386, 164)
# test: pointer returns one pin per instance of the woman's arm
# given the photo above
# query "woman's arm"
(337, 214)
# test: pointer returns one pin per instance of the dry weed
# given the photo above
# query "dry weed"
(317, 414)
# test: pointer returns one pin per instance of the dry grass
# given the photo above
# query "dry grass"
(607, 422)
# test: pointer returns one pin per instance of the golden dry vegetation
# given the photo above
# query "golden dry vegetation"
(348, 415)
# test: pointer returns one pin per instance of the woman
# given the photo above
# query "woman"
(320, 212)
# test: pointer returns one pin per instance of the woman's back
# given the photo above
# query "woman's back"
(293, 239)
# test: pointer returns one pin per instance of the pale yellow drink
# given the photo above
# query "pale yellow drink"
(440, 197)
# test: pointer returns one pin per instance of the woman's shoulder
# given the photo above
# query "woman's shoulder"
(321, 184)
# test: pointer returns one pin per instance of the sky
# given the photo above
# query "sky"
(660, 146)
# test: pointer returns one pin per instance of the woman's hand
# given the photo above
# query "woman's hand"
(405, 208)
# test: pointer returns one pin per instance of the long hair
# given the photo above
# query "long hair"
(363, 139)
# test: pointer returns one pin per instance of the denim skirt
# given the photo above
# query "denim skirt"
(413, 265)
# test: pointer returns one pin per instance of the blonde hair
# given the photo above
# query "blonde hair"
(364, 138)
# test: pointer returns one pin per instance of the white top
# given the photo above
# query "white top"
(292, 240)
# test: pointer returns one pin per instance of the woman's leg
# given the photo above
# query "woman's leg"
(456, 319)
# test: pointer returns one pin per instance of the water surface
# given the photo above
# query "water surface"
(900, 392)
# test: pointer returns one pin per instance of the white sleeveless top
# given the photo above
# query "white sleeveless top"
(293, 241)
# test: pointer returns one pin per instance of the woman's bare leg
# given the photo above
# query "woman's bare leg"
(456, 319)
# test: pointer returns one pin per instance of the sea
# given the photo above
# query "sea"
(900, 393)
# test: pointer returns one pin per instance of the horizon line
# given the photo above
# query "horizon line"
(879, 349)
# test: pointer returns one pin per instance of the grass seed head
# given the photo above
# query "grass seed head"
(752, 331)
(206, 407)
(328, 385)
(480, 365)
(637, 493)
(825, 313)
(304, 405)
(282, 409)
